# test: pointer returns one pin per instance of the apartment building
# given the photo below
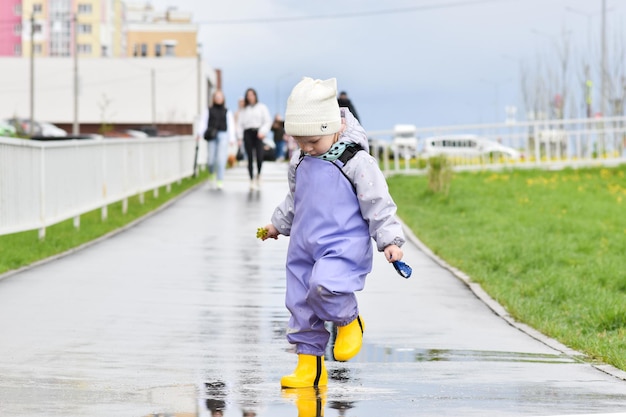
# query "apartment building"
(98, 28)
(53, 27)
(151, 33)
(11, 28)
(123, 76)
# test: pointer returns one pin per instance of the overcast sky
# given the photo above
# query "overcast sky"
(422, 62)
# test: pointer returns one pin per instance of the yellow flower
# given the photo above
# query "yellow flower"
(605, 173)
(261, 232)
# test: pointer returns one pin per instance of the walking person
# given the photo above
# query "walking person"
(253, 125)
(278, 130)
(338, 201)
(241, 153)
(344, 101)
(218, 125)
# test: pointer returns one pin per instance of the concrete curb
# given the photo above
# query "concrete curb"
(500, 311)
(103, 237)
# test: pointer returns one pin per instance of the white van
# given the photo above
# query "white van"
(404, 141)
(466, 145)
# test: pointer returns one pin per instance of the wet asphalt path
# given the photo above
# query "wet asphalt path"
(183, 315)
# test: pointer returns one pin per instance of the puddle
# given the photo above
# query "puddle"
(374, 353)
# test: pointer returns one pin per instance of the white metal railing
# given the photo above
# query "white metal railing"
(46, 182)
(541, 143)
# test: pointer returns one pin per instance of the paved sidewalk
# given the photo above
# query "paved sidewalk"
(183, 314)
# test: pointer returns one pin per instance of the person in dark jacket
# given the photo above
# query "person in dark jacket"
(344, 101)
(278, 129)
(221, 120)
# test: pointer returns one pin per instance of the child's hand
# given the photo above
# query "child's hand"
(393, 253)
(267, 232)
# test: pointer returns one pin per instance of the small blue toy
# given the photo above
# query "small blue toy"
(403, 269)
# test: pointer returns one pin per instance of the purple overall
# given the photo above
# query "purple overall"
(329, 255)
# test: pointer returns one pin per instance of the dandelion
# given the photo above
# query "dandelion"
(605, 174)
(616, 189)
(261, 232)
(492, 178)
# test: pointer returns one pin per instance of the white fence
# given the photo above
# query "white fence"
(540, 143)
(43, 183)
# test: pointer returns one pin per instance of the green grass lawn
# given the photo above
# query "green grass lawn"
(21, 249)
(549, 246)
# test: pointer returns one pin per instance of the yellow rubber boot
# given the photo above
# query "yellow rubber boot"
(309, 401)
(310, 372)
(349, 340)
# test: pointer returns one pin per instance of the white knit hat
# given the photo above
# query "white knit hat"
(312, 108)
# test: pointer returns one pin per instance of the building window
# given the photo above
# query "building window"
(144, 49)
(157, 49)
(17, 29)
(135, 50)
(37, 48)
(84, 8)
(37, 28)
(17, 49)
(170, 49)
(17, 9)
(84, 28)
(84, 48)
(37, 8)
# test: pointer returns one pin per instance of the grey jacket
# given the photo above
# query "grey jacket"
(377, 206)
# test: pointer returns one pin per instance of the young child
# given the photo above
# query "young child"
(335, 205)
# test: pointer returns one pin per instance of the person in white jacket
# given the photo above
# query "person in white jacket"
(253, 124)
(217, 127)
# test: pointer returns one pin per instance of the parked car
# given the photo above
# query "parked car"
(136, 133)
(404, 141)
(50, 130)
(466, 145)
(21, 126)
(7, 130)
(150, 131)
(42, 129)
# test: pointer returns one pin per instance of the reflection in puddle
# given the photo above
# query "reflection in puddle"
(310, 402)
(247, 393)
(374, 353)
(176, 415)
(214, 400)
(341, 406)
